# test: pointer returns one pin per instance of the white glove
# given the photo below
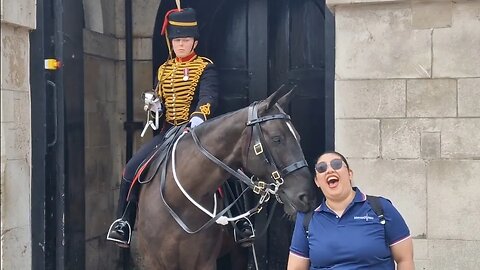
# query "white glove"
(156, 106)
(152, 102)
(195, 121)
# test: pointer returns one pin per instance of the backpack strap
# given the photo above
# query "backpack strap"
(306, 221)
(377, 207)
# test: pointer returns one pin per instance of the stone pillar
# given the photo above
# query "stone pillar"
(17, 19)
(407, 99)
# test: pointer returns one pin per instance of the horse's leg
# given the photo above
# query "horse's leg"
(160, 256)
(239, 258)
(151, 241)
(146, 261)
(165, 245)
(200, 251)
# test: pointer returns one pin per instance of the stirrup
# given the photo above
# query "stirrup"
(120, 243)
(245, 241)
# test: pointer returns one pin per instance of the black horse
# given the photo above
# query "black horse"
(259, 140)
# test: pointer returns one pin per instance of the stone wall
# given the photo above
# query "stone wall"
(103, 145)
(407, 109)
(17, 19)
(105, 112)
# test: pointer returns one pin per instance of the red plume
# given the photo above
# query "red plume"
(165, 21)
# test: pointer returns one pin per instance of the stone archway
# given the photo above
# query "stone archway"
(93, 15)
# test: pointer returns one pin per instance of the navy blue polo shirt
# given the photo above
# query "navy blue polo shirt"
(356, 240)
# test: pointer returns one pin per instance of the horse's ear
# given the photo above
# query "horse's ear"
(285, 99)
(274, 98)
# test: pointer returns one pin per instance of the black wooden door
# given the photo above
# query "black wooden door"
(297, 54)
(258, 45)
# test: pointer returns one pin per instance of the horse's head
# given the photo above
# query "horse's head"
(275, 156)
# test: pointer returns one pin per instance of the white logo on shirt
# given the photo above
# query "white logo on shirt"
(366, 218)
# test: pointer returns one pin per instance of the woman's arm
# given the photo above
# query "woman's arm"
(296, 262)
(403, 254)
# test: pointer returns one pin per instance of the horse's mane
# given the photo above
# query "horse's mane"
(223, 115)
(217, 119)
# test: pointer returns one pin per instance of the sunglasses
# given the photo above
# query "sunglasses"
(335, 164)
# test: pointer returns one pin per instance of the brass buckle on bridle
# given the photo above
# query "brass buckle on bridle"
(259, 187)
(277, 178)
(258, 149)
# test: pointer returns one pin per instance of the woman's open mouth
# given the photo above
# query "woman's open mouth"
(332, 181)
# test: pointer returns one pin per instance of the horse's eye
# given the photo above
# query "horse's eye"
(276, 139)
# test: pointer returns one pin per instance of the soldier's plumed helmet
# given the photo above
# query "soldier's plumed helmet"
(182, 23)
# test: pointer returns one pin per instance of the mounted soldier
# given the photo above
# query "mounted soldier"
(186, 94)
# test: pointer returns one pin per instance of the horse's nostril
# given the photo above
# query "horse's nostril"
(304, 198)
(307, 201)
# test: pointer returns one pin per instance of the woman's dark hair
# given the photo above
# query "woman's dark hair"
(336, 153)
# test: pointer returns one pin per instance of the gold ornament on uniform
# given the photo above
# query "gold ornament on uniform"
(205, 109)
(176, 92)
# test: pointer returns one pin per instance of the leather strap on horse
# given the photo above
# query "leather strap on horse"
(175, 216)
(234, 225)
(240, 176)
(257, 136)
(164, 150)
(179, 220)
(155, 159)
(254, 121)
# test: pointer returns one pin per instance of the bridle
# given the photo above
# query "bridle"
(260, 148)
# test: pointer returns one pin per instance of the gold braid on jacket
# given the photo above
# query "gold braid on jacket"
(178, 83)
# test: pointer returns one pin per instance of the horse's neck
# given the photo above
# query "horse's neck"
(223, 138)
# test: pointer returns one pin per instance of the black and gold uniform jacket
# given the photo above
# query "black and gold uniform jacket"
(188, 89)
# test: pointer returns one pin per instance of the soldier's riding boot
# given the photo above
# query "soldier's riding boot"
(246, 235)
(121, 229)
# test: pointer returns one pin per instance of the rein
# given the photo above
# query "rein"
(218, 218)
(262, 188)
(259, 140)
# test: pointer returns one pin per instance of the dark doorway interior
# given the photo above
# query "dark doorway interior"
(258, 45)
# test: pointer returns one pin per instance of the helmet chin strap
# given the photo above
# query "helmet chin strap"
(193, 46)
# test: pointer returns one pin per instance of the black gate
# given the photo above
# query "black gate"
(57, 190)
(258, 45)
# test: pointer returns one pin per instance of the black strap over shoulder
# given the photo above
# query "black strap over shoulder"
(306, 221)
(374, 202)
(377, 207)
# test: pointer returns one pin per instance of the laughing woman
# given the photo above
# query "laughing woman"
(346, 232)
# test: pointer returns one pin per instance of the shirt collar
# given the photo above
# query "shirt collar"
(187, 58)
(359, 197)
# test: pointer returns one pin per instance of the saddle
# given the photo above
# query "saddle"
(156, 159)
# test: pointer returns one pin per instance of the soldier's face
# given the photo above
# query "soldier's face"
(183, 46)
